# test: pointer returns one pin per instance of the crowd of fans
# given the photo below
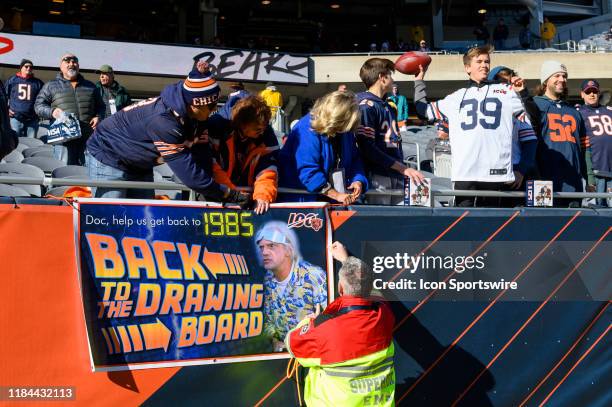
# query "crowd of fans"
(501, 136)
(347, 144)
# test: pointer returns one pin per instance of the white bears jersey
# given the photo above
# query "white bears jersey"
(480, 127)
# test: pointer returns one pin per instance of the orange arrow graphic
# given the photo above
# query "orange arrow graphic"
(215, 263)
(156, 335)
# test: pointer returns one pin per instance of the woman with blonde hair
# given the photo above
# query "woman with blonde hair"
(320, 154)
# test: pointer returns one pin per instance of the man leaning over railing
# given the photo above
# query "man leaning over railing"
(127, 145)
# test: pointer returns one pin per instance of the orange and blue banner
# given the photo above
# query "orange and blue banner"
(171, 285)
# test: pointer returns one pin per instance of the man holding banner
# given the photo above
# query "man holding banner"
(294, 288)
(348, 347)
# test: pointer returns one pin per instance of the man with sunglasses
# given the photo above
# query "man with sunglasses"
(598, 123)
(69, 93)
(22, 89)
(127, 145)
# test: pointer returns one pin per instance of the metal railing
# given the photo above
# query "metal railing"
(169, 185)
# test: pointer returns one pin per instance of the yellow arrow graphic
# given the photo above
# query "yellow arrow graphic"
(215, 263)
(156, 335)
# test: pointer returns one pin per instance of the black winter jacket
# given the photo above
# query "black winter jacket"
(8, 138)
(84, 101)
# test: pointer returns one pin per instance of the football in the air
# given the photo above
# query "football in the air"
(408, 63)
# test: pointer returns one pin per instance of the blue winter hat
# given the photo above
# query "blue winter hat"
(200, 88)
(493, 72)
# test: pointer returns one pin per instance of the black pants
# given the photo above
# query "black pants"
(480, 201)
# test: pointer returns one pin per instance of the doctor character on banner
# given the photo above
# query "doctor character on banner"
(294, 288)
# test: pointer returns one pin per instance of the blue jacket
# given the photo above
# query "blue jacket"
(151, 132)
(22, 94)
(307, 160)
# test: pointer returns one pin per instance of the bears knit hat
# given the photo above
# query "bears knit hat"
(25, 61)
(200, 88)
(549, 68)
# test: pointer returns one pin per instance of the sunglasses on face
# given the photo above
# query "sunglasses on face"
(591, 91)
(28, 66)
(71, 59)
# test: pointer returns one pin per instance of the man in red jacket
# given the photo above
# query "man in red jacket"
(348, 347)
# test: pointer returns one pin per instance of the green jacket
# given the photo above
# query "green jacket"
(117, 92)
(402, 106)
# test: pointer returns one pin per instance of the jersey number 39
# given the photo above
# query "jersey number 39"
(489, 107)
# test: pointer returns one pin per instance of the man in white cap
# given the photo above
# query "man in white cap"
(294, 288)
(562, 148)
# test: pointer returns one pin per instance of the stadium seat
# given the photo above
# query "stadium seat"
(57, 191)
(20, 147)
(14, 157)
(173, 194)
(31, 142)
(70, 171)
(12, 190)
(24, 170)
(164, 170)
(40, 151)
(47, 164)
(86, 176)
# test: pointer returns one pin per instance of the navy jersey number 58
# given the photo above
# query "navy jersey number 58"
(489, 107)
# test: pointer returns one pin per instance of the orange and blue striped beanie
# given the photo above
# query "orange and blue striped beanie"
(200, 88)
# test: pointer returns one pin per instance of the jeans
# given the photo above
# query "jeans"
(101, 171)
(27, 128)
(603, 185)
(499, 44)
(75, 150)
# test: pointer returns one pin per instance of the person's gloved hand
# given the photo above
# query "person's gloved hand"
(239, 198)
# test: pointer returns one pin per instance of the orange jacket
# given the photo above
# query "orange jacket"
(248, 162)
